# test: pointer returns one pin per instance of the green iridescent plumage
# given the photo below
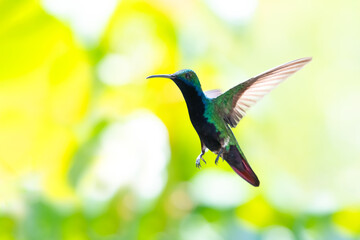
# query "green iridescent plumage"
(213, 116)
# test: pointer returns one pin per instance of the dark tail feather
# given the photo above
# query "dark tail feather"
(238, 162)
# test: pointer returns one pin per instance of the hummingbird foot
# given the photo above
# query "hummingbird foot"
(198, 160)
(217, 157)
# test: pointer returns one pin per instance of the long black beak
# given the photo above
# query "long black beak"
(171, 76)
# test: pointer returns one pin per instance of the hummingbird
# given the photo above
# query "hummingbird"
(213, 113)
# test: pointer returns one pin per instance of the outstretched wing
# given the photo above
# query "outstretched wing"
(213, 93)
(234, 103)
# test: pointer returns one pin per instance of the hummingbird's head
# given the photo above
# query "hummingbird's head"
(187, 76)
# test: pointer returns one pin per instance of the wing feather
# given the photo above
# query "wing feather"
(234, 103)
(213, 93)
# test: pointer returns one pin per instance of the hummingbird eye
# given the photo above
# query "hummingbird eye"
(187, 76)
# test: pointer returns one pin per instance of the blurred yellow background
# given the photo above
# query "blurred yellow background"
(90, 149)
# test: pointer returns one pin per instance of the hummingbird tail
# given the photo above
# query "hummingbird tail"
(239, 164)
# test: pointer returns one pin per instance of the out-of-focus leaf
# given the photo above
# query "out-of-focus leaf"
(41, 216)
(85, 153)
(348, 220)
(74, 227)
(44, 91)
(7, 228)
(258, 213)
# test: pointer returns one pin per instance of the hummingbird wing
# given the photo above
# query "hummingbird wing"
(213, 93)
(234, 103)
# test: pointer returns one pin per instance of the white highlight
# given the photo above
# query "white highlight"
(87, 18)
(196, 227)
(132, 154)
(278, 233)
(233, 11)
(295, 196)
(322, 202)
(115, 70)
(218, 189)
(226, 142)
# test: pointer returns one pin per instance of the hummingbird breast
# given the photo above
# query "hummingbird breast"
(206, 130)
(196, 103)
(210, 137)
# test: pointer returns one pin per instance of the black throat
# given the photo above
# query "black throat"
(194, 100)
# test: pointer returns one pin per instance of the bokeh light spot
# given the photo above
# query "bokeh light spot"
(278, 233)
(134, 154)
(218, 189)
(233, 11)
(88, 18)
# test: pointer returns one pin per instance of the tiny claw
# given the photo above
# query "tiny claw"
(217, 157)
(198, 161)
(217, 160)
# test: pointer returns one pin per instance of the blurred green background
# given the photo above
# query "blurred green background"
(90, 149)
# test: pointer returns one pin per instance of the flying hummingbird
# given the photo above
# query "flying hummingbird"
(212, 113)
